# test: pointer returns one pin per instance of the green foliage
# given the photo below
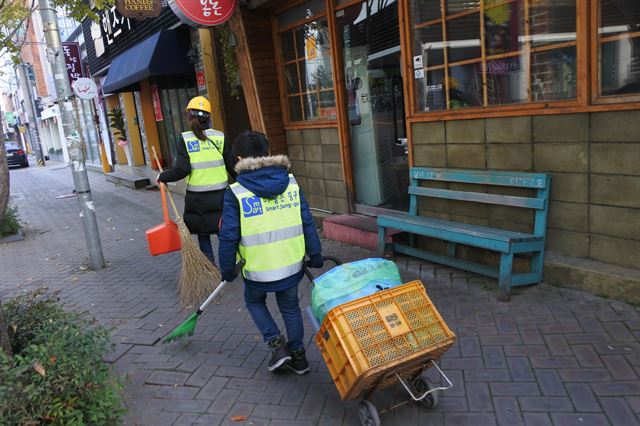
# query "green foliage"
(116, 120)
(9, 222)
(15, 16)
(230, 63)
(57, 375)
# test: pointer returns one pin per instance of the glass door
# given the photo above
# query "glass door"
(369, 35)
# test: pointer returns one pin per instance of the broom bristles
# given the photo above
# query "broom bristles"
(199, 276)
(183, 330)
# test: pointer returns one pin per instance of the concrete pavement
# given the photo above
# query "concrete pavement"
(549, 356)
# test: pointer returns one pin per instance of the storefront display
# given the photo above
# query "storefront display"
(478, 54)
(619, 48)
(306, 63)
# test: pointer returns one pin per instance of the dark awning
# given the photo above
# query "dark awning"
(161, 54)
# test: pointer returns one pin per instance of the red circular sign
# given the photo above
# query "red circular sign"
(203, 13)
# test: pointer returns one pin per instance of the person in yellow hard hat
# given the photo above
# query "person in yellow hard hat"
(204, 159)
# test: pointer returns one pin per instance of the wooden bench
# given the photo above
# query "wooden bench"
(506, 242)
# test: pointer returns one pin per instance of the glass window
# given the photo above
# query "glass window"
(308, 9)
(493, 52)
(308, 82)
(619, 47)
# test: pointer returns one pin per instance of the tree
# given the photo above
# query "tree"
(4, 200)
(15, 17)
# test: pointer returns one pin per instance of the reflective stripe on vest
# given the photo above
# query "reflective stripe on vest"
(271, 233)
(208, 172)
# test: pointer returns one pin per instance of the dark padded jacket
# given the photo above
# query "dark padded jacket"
(202, 210)
(266, 177)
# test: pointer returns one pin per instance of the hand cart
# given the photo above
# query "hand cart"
(380, 340)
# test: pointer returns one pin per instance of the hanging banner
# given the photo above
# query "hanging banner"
(201, 81)
(203, 13)
(72, 58)
(139, 9)
(157, 107)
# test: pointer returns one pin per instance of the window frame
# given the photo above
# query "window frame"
(281, 64)
(524, 108)
(594, 63)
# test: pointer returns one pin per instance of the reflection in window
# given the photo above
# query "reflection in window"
(619, 43)
(308, 81)
(493, 52)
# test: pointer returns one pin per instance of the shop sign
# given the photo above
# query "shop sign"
(113, 26)
(202, 82)
(203, 13)
(157, 107)
(72, 58)
(85, 88)
(10, 118)
(139, 9)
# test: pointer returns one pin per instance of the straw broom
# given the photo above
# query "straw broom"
(198, 275)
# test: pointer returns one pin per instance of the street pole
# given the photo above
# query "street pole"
(69, 125)
(31, 114)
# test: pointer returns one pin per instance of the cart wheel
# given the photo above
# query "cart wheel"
(368, 413)
(420, 386)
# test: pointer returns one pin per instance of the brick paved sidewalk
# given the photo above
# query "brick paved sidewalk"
(550, 356)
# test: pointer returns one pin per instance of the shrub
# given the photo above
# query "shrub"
(9, 222)
(57, 375)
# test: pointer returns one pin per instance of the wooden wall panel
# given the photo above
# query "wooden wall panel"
(256, 60)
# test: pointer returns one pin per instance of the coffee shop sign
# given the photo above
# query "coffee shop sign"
(139, 9)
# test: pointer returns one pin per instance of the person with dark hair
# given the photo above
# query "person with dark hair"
(266, 222)
(204, 158)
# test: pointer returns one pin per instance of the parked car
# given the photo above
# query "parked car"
(15, 154)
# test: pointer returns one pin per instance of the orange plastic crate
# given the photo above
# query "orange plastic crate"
(367, 341)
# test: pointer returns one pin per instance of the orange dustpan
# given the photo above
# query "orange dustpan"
(164, 238)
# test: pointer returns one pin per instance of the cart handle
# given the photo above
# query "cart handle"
(420, 398)
(308, 273)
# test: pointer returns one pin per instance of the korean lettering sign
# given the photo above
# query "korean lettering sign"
(157, 107)
(114, 25)
(203, 13)
(72, 59)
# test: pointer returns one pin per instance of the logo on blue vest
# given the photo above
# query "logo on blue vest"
(193, 146)
(251, 206)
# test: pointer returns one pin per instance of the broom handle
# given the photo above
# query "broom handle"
(212, 296)
(218, 289)
(165, 210)
(173, 204)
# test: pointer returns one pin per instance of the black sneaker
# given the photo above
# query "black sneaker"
(279, 353)
(298, 363)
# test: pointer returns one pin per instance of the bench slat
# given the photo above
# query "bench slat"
(487, 177)
(462, 228)
(479, 197)
(516, 279)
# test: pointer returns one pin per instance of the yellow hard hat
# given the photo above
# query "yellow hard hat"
(200, 103)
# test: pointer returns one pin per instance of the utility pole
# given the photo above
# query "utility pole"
(69, 125)
(25, 86)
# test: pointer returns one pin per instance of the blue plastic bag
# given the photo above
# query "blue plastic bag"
(351, 281)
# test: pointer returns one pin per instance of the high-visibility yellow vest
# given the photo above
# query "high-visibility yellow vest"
(271, 233)
(207, 163)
